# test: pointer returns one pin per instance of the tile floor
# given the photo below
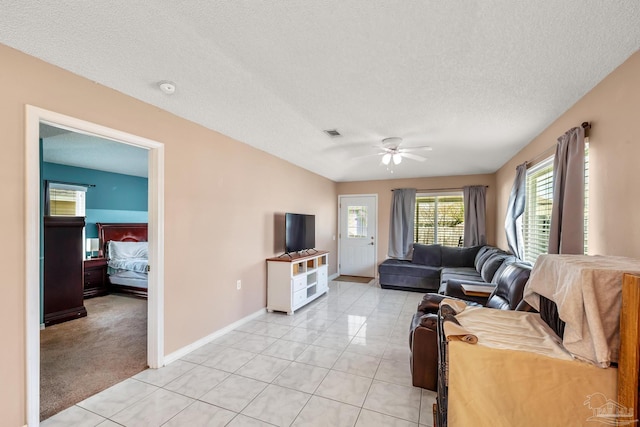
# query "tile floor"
(343, 360)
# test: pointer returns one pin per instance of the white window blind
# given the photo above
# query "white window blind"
(539, 200)
(586, 196)
(66, 199)
(537, 211)
(439, 219)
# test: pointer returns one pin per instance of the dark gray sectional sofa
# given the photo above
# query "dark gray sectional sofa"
(432, 266)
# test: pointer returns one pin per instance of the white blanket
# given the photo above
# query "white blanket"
(131, 256)
(587, 291)
(127, 250)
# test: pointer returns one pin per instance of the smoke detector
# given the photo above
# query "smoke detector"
(167, 87)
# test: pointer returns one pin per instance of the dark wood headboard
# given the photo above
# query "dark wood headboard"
(120, 232)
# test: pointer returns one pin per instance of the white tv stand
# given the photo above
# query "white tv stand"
(295, 280)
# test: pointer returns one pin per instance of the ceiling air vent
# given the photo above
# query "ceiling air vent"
(332, 133)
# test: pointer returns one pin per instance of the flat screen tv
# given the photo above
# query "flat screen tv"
(300, 232)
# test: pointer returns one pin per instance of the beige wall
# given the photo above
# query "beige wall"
(383, 190)
(613, 108)
(221, 198)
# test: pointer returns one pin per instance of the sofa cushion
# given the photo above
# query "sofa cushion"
(459, 257)
(492, 264)
(427, 255)
(483, 250)
(461, 273)
(482, 258)
(407, 268)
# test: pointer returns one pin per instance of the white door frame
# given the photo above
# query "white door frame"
(155, 303)
(375, 241)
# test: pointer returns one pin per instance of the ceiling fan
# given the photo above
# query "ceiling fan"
(391, 150)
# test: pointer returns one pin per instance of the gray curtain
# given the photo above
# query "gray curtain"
(475, 211)
(566, 234)
(515, 209)
(403, 208)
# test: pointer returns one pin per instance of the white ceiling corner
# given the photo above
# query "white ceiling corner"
(474, 80)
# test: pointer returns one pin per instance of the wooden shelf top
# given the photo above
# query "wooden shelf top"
(297, 257)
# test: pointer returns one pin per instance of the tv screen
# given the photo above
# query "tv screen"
(300, 232)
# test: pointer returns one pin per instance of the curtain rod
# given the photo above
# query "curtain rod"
(71, 183)
(436, 189)
(585, 125)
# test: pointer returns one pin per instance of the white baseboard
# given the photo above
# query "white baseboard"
(206, 340)
(41, 326)
(333, 276)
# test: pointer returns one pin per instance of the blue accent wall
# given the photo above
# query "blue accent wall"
(115, 197)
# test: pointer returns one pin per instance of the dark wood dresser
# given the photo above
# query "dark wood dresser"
(95, 277)
(63, 264)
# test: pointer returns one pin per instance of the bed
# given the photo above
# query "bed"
(125, 247)
(539, 373)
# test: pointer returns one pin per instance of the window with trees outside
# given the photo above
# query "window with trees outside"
(439, 219)
(536, 220)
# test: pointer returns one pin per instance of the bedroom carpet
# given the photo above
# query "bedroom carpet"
(84, 356)
(354, 279)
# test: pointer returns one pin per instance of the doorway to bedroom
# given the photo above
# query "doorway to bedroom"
(75, 356)
(105, 183)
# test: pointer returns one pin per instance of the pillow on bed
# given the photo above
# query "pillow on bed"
(124, 250)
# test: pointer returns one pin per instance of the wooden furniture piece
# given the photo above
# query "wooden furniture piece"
(95, 277)
(477, 290)
(122, 232)
(629, 361)
(296, 280)
(63, 284)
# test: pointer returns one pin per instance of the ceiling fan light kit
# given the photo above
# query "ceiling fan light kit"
(391, 150)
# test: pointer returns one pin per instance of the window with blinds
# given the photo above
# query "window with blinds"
(439, 219)
(586, 195)
(539, 200)
(65, 199)
(537, 211)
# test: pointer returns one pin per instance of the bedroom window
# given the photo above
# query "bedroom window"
(439, 219)
(63, 199)
(537, 212)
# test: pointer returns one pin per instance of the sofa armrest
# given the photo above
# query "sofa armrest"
(429, 320)
(430, 303)
(420, 320)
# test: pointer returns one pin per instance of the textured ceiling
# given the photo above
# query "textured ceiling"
(475, 80)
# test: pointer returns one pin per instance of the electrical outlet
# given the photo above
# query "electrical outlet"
(239, 284)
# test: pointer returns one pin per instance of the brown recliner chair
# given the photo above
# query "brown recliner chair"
(510, 281)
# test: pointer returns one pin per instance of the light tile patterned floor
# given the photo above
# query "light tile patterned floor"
(343, 360)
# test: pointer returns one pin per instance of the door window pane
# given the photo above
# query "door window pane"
(357, 222)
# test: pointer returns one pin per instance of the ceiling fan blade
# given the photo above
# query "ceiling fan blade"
(413, 156)
(412, 149)
(364, 156)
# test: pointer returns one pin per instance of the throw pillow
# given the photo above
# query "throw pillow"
(426, 254)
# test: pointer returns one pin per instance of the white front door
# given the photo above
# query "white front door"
(358, 242)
